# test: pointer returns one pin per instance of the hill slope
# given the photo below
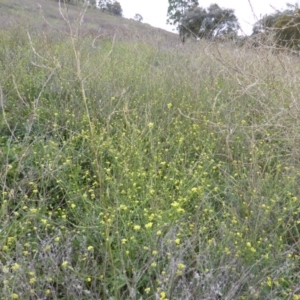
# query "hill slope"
(41, 13)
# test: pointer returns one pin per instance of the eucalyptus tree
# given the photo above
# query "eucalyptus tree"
(283, 27)
(209, 23)
(178, 8)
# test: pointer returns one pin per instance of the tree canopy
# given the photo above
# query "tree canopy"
(110, 6)
(177, 8)
(283, 27)
(208, 23)
(115, 8)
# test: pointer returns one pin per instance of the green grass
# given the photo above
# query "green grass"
(129, 171)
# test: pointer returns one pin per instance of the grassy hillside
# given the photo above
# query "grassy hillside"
(135, 168)
(43, 15)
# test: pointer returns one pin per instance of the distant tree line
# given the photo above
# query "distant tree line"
(110, 6)
(70, 1)
(197, 22)
(282, 28)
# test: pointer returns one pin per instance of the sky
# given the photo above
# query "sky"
(154, 12)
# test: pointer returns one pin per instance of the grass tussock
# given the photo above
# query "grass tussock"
(132, 171)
